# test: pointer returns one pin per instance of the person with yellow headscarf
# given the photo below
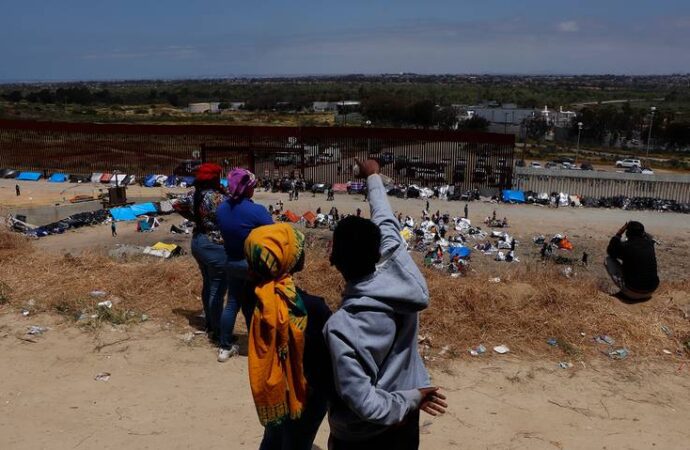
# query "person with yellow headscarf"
(289, 370)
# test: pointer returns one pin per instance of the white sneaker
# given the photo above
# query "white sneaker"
(225, 354)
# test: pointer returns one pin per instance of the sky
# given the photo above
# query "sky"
(144, 39)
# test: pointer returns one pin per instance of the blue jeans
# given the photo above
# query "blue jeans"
(298, 434)
(237, 283)
(212, 262)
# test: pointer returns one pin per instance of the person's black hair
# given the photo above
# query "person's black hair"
(635, 229)
(356, 247)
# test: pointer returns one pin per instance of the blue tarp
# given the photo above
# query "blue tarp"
(190, 180)
(462, 252)
(224, 182)
(150, 180)
(124, 213)
(171, 181)
(143, 208)
(58, 178)
(29, 176)
(513, 196)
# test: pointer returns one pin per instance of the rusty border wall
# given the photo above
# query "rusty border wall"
(604, 184)
(320, 154)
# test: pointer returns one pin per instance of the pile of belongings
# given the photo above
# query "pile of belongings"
(147, 223)
(154, 180)
(184, 228)
(72, 222)
(538, 199)
(163, 250)
(561, 242)
(507, 257)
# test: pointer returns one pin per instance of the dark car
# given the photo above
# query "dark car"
(586, 166)
(520, 163)
(318, 188)
(10, 173)
(186, 168)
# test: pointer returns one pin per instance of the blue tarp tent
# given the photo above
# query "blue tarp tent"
(150, 181)
(171, 181)
(513, 196)
(58, 178)
(121, 214)
(143, 208)
(462, 252)
(189, 181)
(29, 176)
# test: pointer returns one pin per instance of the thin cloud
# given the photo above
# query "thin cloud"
(569, 26)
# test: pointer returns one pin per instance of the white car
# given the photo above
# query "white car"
(627, 163)
(535, 165)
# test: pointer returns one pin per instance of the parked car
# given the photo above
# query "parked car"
(586, 166)
(318, 188)
(627, 163)
(535, 165)
(552, 165)
(520, 163)
(637, 169)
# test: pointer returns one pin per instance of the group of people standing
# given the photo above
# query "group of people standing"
(359, 364)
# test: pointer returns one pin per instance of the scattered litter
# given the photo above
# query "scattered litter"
(667, 331)
(552, 342)
(444, 350)
(188, 337)
(25, 312)
(604, 339)
(97, 293)
(494, 280)
(106, 304)
(82, 317)
(583, 334)
(144, 317)
(36, 330)
(565, 365)
(568, 272)
(455, 275)
(620, 353)
(501, 349)
(478, 350)
(668, 352)
(103, 376)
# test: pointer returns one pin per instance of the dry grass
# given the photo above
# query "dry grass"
(531, 304)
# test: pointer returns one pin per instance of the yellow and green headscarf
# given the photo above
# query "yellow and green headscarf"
(276, 335)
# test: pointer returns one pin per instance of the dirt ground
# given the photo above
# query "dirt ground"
(167, 390)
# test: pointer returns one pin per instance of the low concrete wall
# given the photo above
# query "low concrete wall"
(603, 184)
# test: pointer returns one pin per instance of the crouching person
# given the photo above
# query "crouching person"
(380, 380)
(289, 370)
(632, 263)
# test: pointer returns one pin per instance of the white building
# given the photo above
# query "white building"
(204, 107)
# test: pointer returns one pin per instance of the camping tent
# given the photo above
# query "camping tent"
(105, 178)
(291, 217)
(150, 180)
(513, 196)
(29, 176)
(96, 177)
(310, 217)
(460, 251)
(118, 179)
(58, 178)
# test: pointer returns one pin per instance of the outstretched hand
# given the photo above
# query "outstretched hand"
(432, 401)
(367, 167)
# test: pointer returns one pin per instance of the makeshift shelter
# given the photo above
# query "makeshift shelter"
(150, 180)
(122, 214)
(105, 178)
(510, 196)
(143, 208)
(460, 251)
(29, 176)
(291, 217)
(565, 244)
(310, 217)
(163, 250)
(58, 178)
(118, 179)
(96, 177)
(339, 187)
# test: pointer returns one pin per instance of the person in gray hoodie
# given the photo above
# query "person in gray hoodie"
(380, 380)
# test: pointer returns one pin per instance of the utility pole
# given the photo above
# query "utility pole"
(649, 135)
(579, 132)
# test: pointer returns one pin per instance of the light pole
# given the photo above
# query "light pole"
(579, 132)
(649, 135)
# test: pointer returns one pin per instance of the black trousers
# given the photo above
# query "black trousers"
(404, 436)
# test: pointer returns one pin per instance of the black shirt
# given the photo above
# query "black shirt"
(639, 262)
(317, 361)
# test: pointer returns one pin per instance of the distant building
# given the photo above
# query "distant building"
(204, 107)
(508, 117)
(323, 106)
(235, 106)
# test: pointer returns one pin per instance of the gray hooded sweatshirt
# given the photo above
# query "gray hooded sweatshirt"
(372, 338)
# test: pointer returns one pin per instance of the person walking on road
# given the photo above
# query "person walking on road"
(113, 228)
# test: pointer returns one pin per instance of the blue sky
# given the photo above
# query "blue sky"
(124, 39)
